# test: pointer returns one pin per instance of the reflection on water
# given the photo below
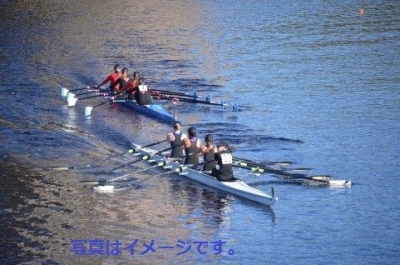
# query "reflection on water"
(322, 85)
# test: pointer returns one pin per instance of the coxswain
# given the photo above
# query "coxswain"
(192, 147)
(223, 170)
(208, 151)
(175, 139)
(122, 81)
(112, 78)
(142, 95)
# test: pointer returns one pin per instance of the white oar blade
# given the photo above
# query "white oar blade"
(71, 100)
(64, 92)
(104, 188)
(340, 183)
(88, 111)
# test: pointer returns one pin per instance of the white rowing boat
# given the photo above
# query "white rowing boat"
(238, 187)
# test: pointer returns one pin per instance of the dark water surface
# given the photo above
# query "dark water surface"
(321, 87)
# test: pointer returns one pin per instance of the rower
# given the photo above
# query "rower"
(122, 81)
(223, 170)
(142, 94)
(175, 139)
(112, 78)
(192, 147)
(208, 151)
(131, 85)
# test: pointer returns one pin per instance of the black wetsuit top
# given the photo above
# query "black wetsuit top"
(177, 146)
(142, 95)
(209, 161)
(192, 152)
(224, 160)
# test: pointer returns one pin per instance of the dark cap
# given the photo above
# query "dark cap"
(176, 123)
(209, 138)
(192, 131)
(223, 143)
(117, 66)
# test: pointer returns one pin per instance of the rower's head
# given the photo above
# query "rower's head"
(177, 125)
(222, 145)
(125, 71)
(141, 81)
(209, 138)
(192, 132)
(136, 75)
(117, 68)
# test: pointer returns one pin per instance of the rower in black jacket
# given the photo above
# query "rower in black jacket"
(142, 95)
(175, 139)
(224, 169)
(192, 147)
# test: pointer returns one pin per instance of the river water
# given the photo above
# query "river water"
(320, 84)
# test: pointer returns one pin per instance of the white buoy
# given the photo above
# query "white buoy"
(104, 189)
(71, 101)
(64, 92)
(88, 111)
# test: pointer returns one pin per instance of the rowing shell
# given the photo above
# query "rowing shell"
(154, 110)
(238, 187)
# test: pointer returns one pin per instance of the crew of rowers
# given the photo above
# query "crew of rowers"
(217, 159)
(121, 83)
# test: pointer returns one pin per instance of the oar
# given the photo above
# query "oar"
(195, 101)
(252, 172)
(110, 188)
(177, 93)
(102, 182)
(252, 163)
(83, 88)
(145, 157)
(72, 99)
(88, 109)
(64, 91)
(95, 96)
(257, 163)
(172, 94)
(132, 150)
(88, 92)
(323, 179)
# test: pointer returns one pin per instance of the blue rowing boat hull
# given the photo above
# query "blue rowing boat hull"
(154, 110)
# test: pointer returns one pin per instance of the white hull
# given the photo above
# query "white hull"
(238, 188)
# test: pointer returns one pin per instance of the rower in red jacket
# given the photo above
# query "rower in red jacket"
(122, 81)
(112, 78)
(131, 85)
